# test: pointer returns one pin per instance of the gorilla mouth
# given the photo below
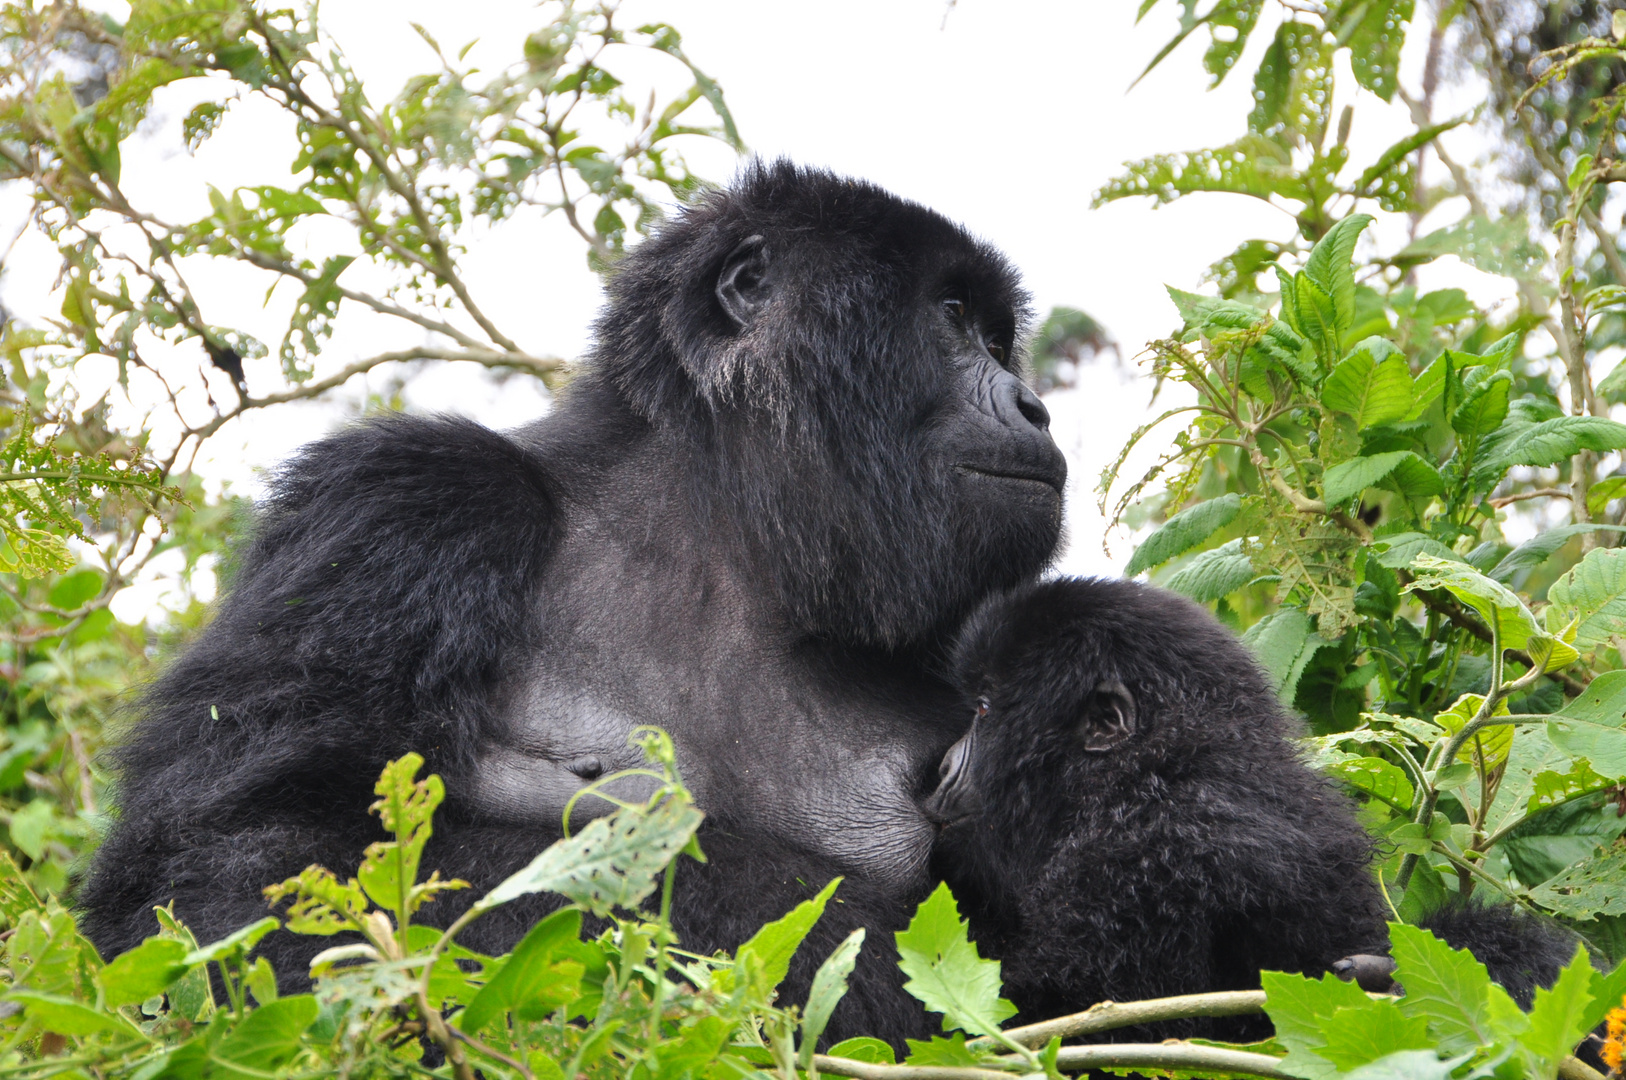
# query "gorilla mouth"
(1000, 474)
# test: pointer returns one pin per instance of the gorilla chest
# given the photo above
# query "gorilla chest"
(773, 749)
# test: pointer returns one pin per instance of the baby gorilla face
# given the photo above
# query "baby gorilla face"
(1098, 723)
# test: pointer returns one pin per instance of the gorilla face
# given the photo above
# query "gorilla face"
(845, 362)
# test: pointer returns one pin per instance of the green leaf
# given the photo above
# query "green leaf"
(1593, 594)
(1494, 742)
(535, 980)
(1378, 778)
(1465, 1011)
(945, 972)
(144, 972)
(1592, 887)
(239, 942)
(1299, 1009)
(1384, 181)
(867, 1049)
(1593, 725)
(1545, 844)
(1560, 439)
(614, 862)
(1601, 494)
(1408, 472)
(829, 987)
(1213, 574)
(1556, 1017)
(1358, 1034)
(389, 870)
(268, 1037)
(1578, 171)
(1250, 166)
(1540, 548)
(1239, 17)
(1500, 246)
(1373, 384)
(775, 944)
(1485, 406)
(1374, 33)
(1498, 605)
(68, 1017)
(1293, 86)
(1331, 267)
(1607, 990)
(1284, 643)
(1398, 552)
(1184, 531)
(1552, 788)
(1408, 1065)
(949, 1053)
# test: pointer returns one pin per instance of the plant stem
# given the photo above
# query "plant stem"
(1108, 1015)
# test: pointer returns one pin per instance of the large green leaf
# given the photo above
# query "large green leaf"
(267, 1038)
(829, 987)
(1595, 886)
(536, 978)
(1293, 86)
(1184, 531)
(1484, 407)
(1465, 1010)
(1500, 246)
(1373, 384)
(1398, 551)
(775, 944)
(1300, 1009)
(1374, 31)
(946, 973)
(1250, 166)
(144, 972)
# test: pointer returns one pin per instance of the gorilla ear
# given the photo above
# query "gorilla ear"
(743, 287)
(1108, 718)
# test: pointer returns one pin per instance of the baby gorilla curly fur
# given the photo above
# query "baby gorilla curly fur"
(1128, 816)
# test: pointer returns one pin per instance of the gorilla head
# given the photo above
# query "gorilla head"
(844, 361)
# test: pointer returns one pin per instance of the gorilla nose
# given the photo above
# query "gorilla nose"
(1019, 406)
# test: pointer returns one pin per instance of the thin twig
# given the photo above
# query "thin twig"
(1108, 1015)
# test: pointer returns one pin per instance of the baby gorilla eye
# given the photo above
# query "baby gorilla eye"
(996, 350)
(982, 707)
(954, 308)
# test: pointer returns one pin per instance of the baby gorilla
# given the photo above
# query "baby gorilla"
(1129, 818)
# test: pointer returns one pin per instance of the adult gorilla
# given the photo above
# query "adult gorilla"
(797, 456)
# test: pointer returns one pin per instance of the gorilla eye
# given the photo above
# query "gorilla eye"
(982, 707)
(954, 307)
(996, 350)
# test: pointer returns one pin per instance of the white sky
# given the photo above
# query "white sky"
(1006, 117)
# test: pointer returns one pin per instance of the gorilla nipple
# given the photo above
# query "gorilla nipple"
(588, 768)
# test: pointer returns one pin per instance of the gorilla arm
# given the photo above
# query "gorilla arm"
(368, 616)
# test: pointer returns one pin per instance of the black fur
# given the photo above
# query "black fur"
(1183, 854)
(795, 459)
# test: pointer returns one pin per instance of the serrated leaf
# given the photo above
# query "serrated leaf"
(1450, 988)
(1374, 33)
(1373, 384)
(1250, 166)
(1560, 439)
(945, 972)
(614, 862)
(1213, 574)
(1539, 548)
(406, 807)
(1330, 266)
(1359, 1034)
(1299, 1008)
(1284, 642)
(946, 1053)
(1485, 406)
(1405, 469)
(1184, 531)
(1556, 1016)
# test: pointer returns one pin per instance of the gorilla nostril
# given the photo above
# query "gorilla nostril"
(1032, 409)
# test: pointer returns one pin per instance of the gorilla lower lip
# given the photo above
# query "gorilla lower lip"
(973, 470)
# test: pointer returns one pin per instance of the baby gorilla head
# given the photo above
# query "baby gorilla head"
(1128, 816)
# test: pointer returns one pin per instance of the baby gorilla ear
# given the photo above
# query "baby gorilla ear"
(1108, 717)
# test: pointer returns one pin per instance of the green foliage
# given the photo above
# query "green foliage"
(1358, 452)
